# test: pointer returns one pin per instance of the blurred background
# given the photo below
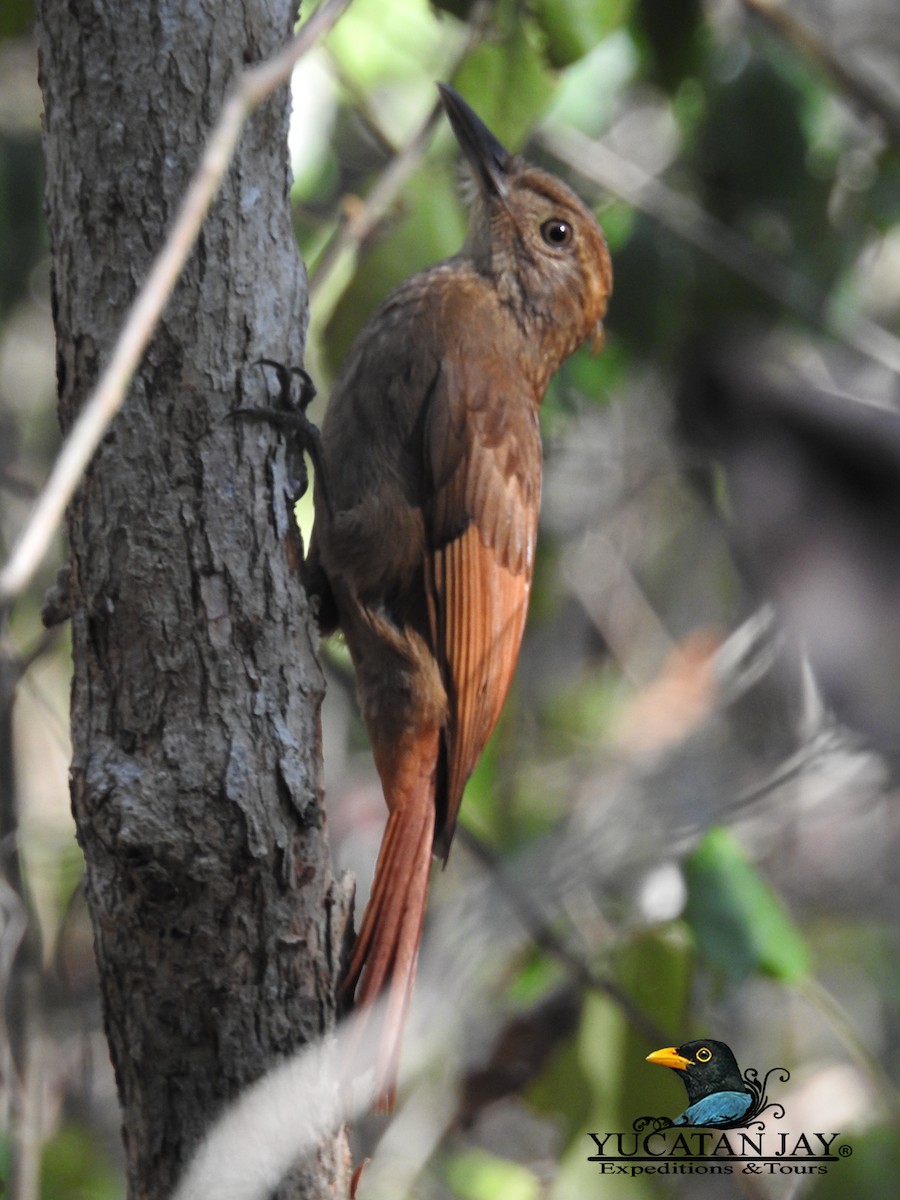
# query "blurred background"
(686, 824)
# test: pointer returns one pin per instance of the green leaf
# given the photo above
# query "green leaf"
(507, 83)
(377, 43)
(572, 28)
(738, 922)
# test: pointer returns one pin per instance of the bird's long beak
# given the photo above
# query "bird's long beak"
(669, 1058)
(488, 158)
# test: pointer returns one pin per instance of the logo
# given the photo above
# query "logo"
(721, 1131)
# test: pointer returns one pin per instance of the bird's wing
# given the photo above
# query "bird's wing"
(483, 454)
(721, 1108)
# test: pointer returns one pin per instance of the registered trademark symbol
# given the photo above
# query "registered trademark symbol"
(845, 1151)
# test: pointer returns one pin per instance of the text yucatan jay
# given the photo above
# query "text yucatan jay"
(425, 553)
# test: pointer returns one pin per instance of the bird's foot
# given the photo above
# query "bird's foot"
(289, 415)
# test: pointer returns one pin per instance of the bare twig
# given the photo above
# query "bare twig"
(682, 216)
(545, 937)
(249, 91)
(817, 50)
(363, 219)
(21, 976)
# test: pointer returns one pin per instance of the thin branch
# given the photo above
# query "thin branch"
(252, 87)
(688, 220)
(545, 938)
(363, 219)
(817, 50)
(867, 1062)
(21, 975)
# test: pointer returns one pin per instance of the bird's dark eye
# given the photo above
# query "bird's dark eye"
(704, 1055)
(556, 232)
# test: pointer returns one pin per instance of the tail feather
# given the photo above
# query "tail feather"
(387, 945)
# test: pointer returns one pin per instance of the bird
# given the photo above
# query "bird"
(423, 555)
(717, 1094)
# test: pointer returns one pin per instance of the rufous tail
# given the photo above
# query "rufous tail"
(387, 945)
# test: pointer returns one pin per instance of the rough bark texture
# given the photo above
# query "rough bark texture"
(196, 689)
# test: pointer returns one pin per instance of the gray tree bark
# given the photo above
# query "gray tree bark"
(195, 781)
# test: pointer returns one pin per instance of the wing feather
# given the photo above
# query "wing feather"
(482, 525)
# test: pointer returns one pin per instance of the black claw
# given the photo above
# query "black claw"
(57, 605)
(290, 417)
(284, 376)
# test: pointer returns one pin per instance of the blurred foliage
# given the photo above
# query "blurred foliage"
(75, 1168)
(739, 925)
(792, 188)
(875, 1162)
(477, 1175)
(16, 18)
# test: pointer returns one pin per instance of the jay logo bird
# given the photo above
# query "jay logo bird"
(718, 1096)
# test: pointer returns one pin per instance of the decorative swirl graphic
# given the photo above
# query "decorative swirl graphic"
(760, 1102)
(654, 1124)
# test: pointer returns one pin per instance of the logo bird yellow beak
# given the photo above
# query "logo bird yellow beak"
(669, 1057)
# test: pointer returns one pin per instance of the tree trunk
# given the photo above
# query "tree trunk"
(195, 783)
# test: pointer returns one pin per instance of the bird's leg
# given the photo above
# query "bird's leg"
(289, 415)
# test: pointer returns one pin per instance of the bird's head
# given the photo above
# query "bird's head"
(538, 242)
(706, 1067)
